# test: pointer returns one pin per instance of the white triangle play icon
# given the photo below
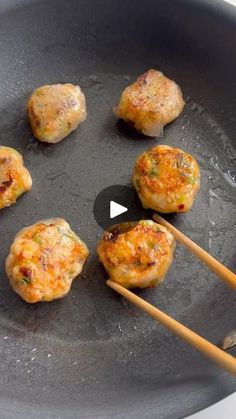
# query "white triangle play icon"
(116, 209)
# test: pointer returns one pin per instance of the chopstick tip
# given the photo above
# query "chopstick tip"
(157, 218)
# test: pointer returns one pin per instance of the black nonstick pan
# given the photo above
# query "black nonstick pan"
(92, 354)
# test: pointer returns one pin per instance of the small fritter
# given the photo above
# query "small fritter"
(44, 259)
(166, 179)
(14, 177)
(150, 103)
(54, 111)
(137, 254)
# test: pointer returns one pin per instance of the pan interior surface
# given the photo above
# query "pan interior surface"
(92, 354)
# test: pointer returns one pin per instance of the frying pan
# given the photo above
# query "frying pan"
(91, 354)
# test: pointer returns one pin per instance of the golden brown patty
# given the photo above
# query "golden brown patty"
(44, 259)
(150, 103)
(166, 179)
(54, 111)
(14, 177)
(137, 254)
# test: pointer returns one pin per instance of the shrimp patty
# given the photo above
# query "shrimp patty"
(150, 103)
(44, 259)
(137, 254)
(14, 177)
(166, 179)
(55, 111)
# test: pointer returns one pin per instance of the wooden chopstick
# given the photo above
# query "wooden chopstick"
(220, 357)
(218, 268)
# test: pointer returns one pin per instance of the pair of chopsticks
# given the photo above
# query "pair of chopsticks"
(207, 348)
(214, 265)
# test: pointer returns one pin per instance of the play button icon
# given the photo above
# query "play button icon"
(116, 209)
(116, 204)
